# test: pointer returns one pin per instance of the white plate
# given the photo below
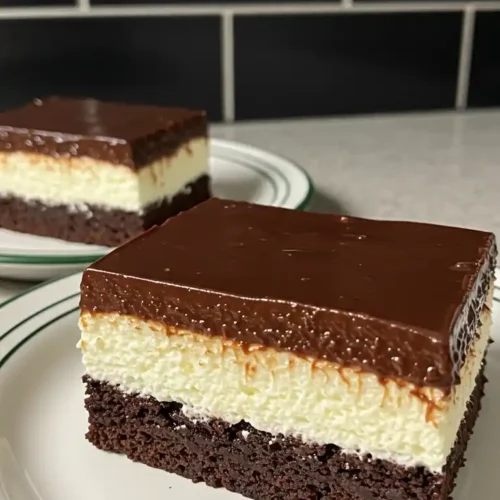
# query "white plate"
(238, 171)
(43, 453)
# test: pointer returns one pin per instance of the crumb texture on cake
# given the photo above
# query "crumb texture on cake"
(257, 464)
(281, 392)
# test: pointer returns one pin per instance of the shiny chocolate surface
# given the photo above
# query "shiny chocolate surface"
(398, 299)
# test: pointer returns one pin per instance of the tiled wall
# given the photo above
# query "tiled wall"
(253, 60)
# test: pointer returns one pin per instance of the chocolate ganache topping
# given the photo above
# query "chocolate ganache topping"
(124, 134)
(398, 299)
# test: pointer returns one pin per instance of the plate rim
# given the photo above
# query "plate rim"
(48, 259)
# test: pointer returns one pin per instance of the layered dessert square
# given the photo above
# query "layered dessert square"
(98, 172)
(291, 355)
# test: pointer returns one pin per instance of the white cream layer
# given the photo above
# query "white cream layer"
(281, 392)
(82, 181)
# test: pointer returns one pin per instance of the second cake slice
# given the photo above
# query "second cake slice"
(98, 172)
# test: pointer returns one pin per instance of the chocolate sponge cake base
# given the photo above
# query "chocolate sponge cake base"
(97, 225)
(255, 463)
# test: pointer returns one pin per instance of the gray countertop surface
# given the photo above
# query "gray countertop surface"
(442, 168)
(436, 167)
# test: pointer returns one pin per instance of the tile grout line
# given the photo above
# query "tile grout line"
(227, 66)
(85, 9)
(465, 60)
(83, 5)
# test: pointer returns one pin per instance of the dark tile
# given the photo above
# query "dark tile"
(420, 1)
(338, 64)
(484, 88)
(199, 2)
(404, 1)
(165, 61)
(36, 3)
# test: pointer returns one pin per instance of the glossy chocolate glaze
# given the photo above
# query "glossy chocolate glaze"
(124, 134)
(398, 299)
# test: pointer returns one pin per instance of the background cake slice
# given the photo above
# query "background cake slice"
(95, 172)
(290, 355)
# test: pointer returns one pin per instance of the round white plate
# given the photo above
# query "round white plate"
(43, 453)
(239, 172)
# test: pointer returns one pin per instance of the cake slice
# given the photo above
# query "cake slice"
(96, 172)
(291, 355)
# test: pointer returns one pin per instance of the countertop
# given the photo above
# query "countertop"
(435, 167)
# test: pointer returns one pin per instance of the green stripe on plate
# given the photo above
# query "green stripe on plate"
(35, 314)
(33, 334)
(34, 288)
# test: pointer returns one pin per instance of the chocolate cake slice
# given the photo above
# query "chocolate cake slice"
(291, 355)
(97, 172)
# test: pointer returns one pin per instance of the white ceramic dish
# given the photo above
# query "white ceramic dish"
(239, 172)
(43, 453)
